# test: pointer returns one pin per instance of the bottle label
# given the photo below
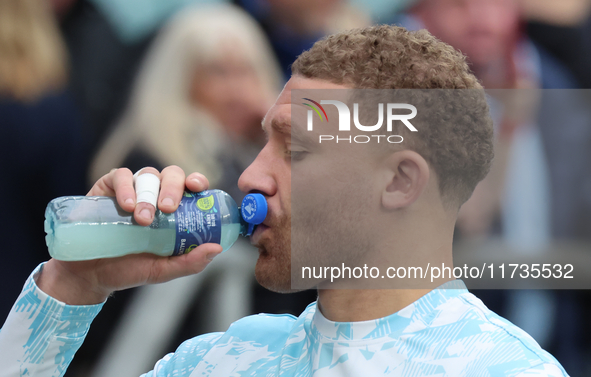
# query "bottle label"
(198, 221)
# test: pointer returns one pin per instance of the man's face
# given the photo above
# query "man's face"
(326, 178)
(481, 29)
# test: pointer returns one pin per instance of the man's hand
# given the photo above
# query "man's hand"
(91, 282)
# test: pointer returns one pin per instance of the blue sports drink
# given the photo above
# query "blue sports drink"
(92, 227)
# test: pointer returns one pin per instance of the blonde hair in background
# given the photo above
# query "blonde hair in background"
(32, 53)
(160, 117)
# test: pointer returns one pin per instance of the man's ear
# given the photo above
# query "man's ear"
(407, 178)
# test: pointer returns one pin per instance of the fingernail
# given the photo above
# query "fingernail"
(145, 213)
(196, 180)
(167, 202)
(210, 256)
(129, 201)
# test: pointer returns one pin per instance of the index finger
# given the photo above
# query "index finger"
(119, 183)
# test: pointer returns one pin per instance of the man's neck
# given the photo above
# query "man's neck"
(352, 305)
(345, 305)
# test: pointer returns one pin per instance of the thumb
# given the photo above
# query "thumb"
(165, 269)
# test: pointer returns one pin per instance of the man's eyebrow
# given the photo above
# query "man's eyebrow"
(279, 125)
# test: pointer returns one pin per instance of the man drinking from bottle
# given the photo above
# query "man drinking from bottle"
(378, 203)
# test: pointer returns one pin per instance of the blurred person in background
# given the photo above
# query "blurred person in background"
(41, 134)
(204, 86)
(563, 28)
(102, 66)
(197, 102)
(293, 26)
(534, 192)
(106, 41)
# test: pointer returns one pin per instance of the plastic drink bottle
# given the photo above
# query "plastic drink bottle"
(91, 227)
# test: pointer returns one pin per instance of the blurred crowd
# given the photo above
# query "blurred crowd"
(90, 85)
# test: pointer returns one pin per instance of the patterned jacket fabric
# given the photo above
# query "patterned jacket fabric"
(447, 332)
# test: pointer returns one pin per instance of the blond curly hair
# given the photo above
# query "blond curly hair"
(456, 132)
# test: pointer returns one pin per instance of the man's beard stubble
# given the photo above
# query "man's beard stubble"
(273, 267)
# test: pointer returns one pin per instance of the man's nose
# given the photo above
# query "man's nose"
(258, 176)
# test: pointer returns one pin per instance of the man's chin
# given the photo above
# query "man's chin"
(278, 288)
(273, 274)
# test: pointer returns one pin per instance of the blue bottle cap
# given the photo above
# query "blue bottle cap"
(254, 208)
